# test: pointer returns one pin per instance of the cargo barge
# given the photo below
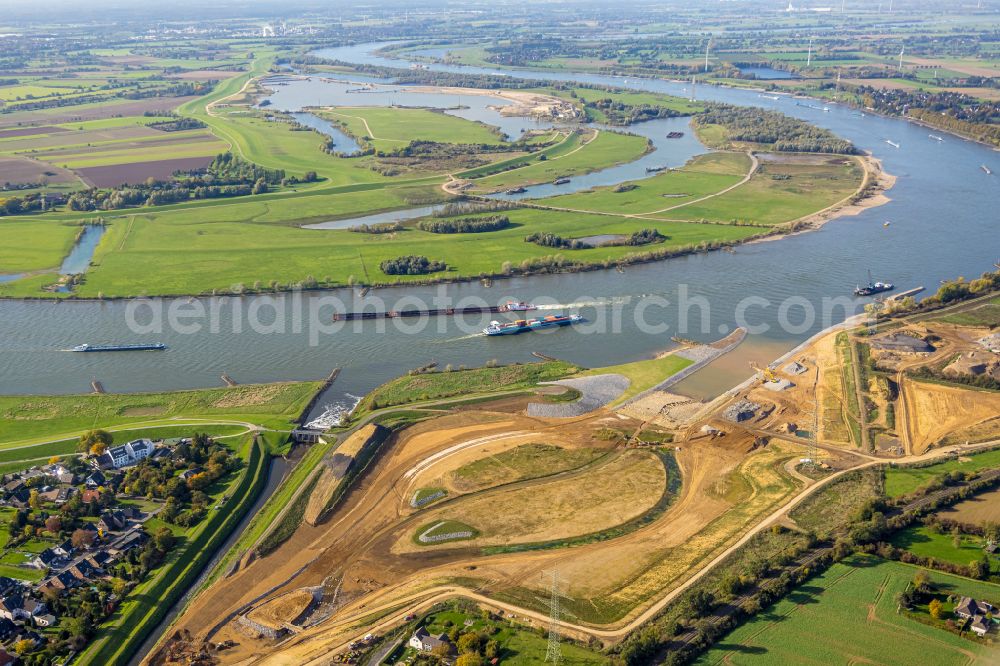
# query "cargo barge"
(159, 346)
(509, 306)
(521, 325)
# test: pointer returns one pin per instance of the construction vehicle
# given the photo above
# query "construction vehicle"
(765, 372)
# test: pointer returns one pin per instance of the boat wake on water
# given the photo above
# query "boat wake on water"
(600, 303)
(334, 414)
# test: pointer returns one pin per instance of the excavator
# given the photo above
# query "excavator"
(766, 372)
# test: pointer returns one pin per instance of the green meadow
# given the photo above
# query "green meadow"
(29, 420)
(391, 128)
(849, 615)
(34, 244)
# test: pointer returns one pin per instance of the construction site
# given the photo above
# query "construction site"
(630, 501)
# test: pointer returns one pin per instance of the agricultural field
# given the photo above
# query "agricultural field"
(978, 510)
(850, 615)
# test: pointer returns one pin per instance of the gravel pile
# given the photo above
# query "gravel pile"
(596, 392)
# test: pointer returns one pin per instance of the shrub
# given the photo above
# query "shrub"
(465, 225)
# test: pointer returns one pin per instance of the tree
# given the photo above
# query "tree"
(95, 439)
(53, 524)
(82, 539)
(53, 460)
(24, 646)
(468, 643)
(33, 500)
(935, 609)
(164, 539)
(469, 659)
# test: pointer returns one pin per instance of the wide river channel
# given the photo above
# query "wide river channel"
(944, 223)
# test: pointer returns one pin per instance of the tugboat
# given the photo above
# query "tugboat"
(873, 287)
(159, 346)
(522, 325)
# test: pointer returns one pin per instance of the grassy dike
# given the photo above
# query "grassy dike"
(150, 602)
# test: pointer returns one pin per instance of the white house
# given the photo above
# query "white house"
(125, 455)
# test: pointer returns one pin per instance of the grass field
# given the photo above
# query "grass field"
(391, 128)
(812, 184)
(645, 374)
(31, 245)
(904, 480)
(923, 541)
(987, 314)
(849, 616)
(28, 420)
(606, 149)
(525, 462)
(704, 175)
(434, 385)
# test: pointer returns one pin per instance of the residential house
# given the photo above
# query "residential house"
(130, 541)
(20, 498)
(8, 585)
(7, 629)
(98, 559)
(95, 480)
(422, 640)
(33, 608)
(969, 608)
(125, 455)
(46, 620)
(90, 495)
(65, 549)
(57, 496)
(63, 474)
(112, 521)
(7, 658)
(45, 559)
(82, 570)
(188, 473)
(12, 607)
(63, 581)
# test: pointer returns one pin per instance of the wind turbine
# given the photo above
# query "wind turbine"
(901, 51)
(809, 58)
(707, 45)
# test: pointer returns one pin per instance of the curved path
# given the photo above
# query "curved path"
(399, 608)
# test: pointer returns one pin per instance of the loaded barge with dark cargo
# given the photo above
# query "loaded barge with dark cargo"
(158, 346)
(509, 306)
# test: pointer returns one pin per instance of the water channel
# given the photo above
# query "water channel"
(941, 228)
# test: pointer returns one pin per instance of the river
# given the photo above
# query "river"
(941, 228)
